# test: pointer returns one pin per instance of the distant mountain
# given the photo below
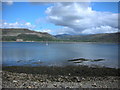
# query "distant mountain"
(105, 37)
(13, 34)
(62, 35)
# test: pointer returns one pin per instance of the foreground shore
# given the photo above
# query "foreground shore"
(52, 77)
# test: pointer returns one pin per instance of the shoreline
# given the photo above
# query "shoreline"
(64, 42)
(65, 70)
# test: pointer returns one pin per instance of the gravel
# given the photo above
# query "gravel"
(23, 80)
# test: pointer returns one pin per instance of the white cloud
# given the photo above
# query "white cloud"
(65, 30)
(28, 24)
(9, 2)
(46, 30)
(80, 18)
(17, 25)
(101, 29)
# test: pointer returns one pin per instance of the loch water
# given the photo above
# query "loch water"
(58, 54)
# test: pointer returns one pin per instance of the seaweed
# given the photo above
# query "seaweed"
(78, 62)
(79, 59)
(83, 59)
(97, 60)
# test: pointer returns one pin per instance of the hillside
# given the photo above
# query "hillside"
(21, 34)
(105, 37)
(25, 35)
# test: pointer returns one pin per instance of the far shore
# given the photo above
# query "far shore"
(64, 42)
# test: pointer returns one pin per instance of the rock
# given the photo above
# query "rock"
(61, 86)
(41, 80)
(67, 87)
(69, 74)
(14, 81)
(45, 85)
(23, 84)
(94, 85)
(83, 78)
(81, 84)
(80, 87)
(61, 76)
(29, 87)
(78, 80)
(60, 80)
(55, 85)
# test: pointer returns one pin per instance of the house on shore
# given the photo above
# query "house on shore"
(19, 40)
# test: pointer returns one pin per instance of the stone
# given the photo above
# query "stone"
(55, 85)
(29, 87)
(14, 81)
(83, 78)
(94, 85)
(78, 80)
(69, 74)
(41, 80)
(61, 86)
(67, 87)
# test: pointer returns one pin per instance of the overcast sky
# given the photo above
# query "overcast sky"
(62, 18)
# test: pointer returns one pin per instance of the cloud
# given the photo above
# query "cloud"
(17, 25)
(64, 30)
(46, 30)
(80, 18)
(101, 29)
(9, 2)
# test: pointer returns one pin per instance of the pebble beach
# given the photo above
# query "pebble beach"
(29, 80)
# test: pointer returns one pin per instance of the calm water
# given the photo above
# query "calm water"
(28, 53)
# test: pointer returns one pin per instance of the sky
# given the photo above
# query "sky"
(62, 18)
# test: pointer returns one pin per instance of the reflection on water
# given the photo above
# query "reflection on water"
(38, 53)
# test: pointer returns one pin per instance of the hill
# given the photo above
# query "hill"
(22, 34)
(104, 37)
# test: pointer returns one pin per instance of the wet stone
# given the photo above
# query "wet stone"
(14, 81)
(94, 85)
(55, 85)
